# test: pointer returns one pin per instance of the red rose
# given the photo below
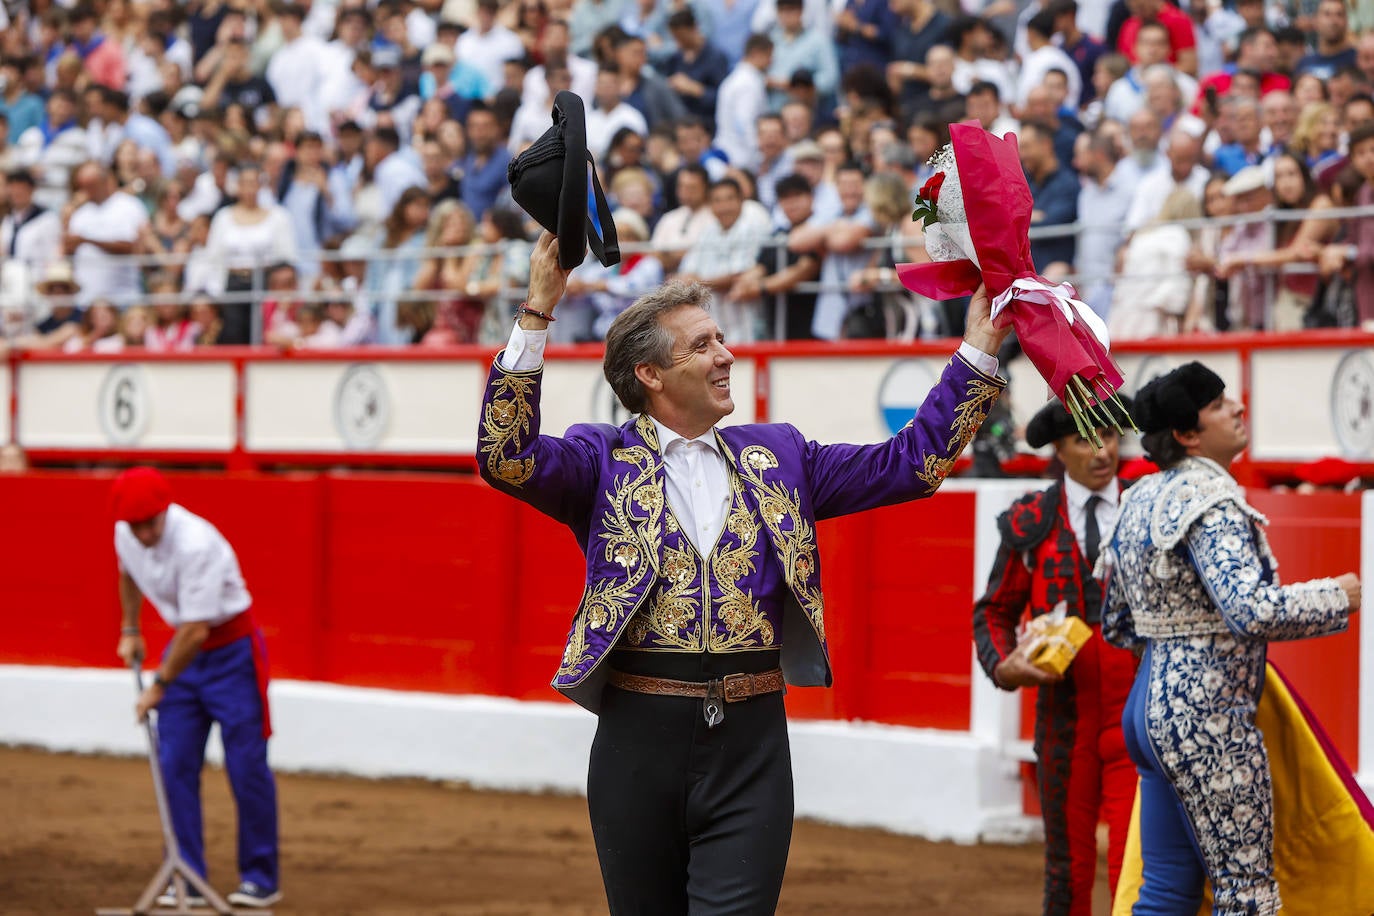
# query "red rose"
(931, 189)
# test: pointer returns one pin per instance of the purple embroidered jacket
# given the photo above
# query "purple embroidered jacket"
(607, 485)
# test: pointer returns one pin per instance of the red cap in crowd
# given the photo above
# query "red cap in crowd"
(1328, 472)
(139, 494)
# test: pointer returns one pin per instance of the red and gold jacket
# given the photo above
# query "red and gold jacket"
(1038, 565)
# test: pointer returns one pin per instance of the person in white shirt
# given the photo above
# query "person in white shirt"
(725, 250)
(700, 541)
(554, 45)
(104, 226)
(488, 45)
(1045, 57)
(1183, 169)
(298, 72)
(214, 671)
(741, 100)
(54, 149)
(678, 230)
(609, 114)
(29, 234)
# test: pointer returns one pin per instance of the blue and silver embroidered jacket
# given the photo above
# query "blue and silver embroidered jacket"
(1190, 574)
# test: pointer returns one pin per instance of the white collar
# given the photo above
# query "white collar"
(1078, 494)
(667, 437)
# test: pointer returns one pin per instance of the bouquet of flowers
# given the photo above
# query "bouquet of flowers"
(977, 211)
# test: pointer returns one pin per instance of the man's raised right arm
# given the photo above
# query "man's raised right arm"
(555, 475)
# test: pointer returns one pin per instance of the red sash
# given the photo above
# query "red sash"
(237, 628)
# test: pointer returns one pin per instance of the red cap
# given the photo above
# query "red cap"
(139, 494)
(1328, 472)
(1136, 468)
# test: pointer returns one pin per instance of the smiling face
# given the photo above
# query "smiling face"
(692, 393)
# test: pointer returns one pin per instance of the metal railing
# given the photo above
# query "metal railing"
(907, 314)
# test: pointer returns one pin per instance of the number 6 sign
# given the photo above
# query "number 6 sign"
(123, 404)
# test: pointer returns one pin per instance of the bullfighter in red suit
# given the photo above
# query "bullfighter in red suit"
(703, 584)
(1050, 541)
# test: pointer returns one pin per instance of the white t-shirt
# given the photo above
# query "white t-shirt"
(297, 75)
(100, 276)
(190, 576)
(488, 53)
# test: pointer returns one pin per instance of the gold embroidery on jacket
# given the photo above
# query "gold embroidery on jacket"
(969, 415)
(971, 412)
(746, 626)
(505, 424)
(672, 618)
(632, 528)
(673, 615)
(795, 544)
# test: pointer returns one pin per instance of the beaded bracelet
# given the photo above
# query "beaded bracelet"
(525, 309)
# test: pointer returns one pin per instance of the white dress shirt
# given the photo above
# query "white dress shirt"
(190, 576)
(698, 485)
(1077, 496)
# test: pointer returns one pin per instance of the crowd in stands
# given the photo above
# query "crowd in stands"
(341, 164)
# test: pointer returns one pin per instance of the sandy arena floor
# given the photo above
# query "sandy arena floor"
(81, 832)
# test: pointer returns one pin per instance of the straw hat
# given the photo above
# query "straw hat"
(58, 273)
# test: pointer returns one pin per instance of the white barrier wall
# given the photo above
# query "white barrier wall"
(156, 405)
(6, 386)
(403, 406)
(856, 399)
(1309, 404)
(1304, 402)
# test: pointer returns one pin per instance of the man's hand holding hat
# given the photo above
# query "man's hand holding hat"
(548, 280)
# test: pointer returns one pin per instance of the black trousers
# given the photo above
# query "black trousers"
(690, 820)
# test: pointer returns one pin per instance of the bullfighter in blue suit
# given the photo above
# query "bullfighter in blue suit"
(703, 589)
(1193, 585)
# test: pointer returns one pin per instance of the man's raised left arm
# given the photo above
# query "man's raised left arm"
(914, 462)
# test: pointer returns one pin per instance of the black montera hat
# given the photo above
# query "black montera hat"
(555, 182)
(1052, 422)
(1172, 400)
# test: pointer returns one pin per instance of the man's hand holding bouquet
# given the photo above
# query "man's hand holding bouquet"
(977, 212)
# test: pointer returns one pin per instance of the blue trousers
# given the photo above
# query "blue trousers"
(220, 686)
(1171, 863)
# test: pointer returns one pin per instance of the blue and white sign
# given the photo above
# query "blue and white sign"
(903, 389)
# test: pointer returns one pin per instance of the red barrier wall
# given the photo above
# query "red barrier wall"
(438, 583)
(1317, 535)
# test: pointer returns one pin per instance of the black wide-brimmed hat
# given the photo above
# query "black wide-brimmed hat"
(555, 182)
(1053, 422)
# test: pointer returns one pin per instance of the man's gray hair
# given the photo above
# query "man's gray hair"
(638, 336)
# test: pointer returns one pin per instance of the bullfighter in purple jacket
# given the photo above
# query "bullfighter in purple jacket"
(703, 589)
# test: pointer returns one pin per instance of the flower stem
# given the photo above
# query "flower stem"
(1100, 415)
(1120, 405)
(1081, 414)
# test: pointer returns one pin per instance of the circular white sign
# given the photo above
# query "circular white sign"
(1352, 404)
(903, 389)
(362, 407)
(123, 404)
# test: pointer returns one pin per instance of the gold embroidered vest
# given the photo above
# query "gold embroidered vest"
(713, 603)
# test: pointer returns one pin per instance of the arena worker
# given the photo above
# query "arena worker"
(1050, 543)
(213, 671)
